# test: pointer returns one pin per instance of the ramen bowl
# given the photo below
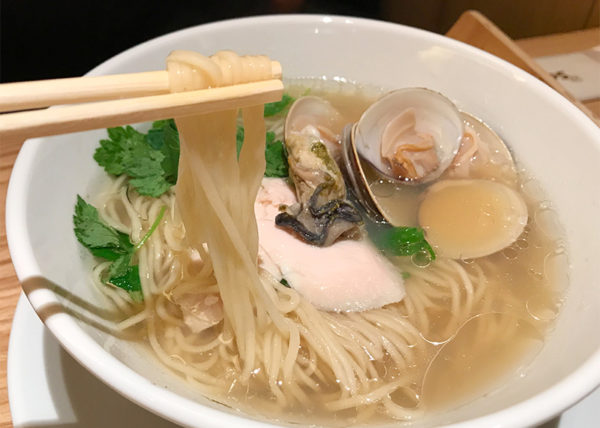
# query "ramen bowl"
(548, 136)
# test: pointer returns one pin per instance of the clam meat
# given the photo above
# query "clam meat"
(482, 154)
(469, 218)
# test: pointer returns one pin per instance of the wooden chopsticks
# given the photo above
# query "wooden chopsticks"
(44, 93)
(143, 97)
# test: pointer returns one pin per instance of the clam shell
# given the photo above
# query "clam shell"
(355, 176)
(435, 116)
(316, 116)
(493, 160)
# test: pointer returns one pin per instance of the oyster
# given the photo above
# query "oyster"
(323, 214)
(315, 116)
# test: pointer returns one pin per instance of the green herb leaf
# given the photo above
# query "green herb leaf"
(120, 266)
(276, 157)
(270, 137)
(164, 137)
(401, 241)
(151, 185)
(130, 282)
(105, 253)
(285, 283)
(149, 160)
(96, 235)
(271, 109)
(153, 227)
(110, 153)
(108, 243)
(239, 139)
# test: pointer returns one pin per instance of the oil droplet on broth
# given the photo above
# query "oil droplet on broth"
(556, 269)
(510, 253)
(487, 351)
(442, 327)
(543, 307)
(382, 188)
(522, 244)
(421, 259)
(547, 221)
(535, 274)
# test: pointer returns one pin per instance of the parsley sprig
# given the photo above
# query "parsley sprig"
(275, 154)
(106, 242)
(276, 157)
(150, 160)
(271, 109)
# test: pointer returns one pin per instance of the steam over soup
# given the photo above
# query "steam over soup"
(265, 279)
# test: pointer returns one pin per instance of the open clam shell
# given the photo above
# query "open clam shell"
(483, 154)
(409, 135)
(355, 176)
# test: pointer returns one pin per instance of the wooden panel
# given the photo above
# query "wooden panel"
(525, 18)
(475, 29)
(517, 18)
(557, 44)
(593, 106)
(594, 16)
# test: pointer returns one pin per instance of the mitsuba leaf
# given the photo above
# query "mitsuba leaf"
(164, 137)
(271, 109)
(401, 241)
(151, 185)
(120, 266)
(239, 139)
(276, 157)
(108, 243)
(111, 152)
(269, 137)
(96, 235)
(150, 161)
(130, 282)
(105, 253)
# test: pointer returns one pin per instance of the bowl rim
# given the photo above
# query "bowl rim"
(537, 409)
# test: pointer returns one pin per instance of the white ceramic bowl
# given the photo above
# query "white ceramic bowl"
(548, 135)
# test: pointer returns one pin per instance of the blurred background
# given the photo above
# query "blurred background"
(42, 39)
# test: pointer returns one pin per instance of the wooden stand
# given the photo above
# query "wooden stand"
(475, 29)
